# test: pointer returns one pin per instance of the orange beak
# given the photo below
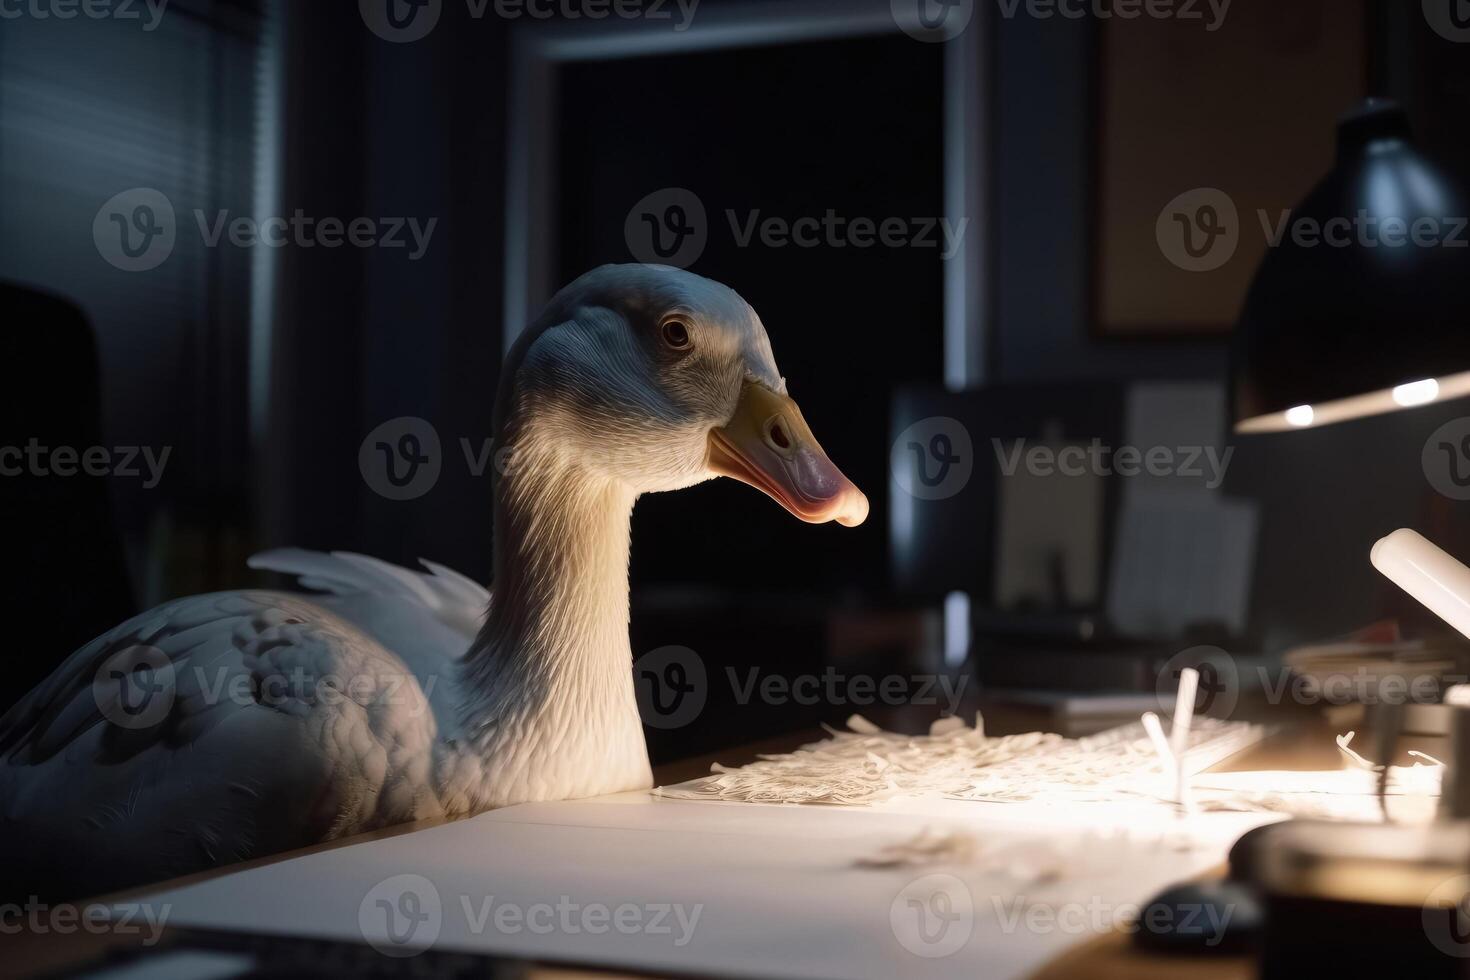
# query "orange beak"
(767, 444)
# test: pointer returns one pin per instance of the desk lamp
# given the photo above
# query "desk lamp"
(1363, 307)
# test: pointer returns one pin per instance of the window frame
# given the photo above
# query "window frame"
(538, 50)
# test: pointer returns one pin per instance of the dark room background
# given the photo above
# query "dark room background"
(264, 369)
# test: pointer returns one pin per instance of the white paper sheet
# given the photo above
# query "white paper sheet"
(1184, 552)
(778, 890)
(1040, 520)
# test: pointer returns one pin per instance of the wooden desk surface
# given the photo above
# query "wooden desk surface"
(1302, 746)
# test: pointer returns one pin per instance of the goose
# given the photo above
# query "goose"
(228, 726)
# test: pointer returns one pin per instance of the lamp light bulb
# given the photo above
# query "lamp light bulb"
(1416, 392)
(1300, 416)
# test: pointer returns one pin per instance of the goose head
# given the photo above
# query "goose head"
(658, 379)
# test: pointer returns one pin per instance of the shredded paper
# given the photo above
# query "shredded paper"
(867, 765)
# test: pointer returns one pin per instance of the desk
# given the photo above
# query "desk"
(1305, 747)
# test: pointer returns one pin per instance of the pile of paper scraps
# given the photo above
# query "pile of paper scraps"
(869, 765)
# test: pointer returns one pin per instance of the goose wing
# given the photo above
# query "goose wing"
(214, 728)
(388, 600)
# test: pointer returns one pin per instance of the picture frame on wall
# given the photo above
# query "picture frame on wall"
(1198, 158)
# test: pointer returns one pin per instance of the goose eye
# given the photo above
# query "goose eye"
(676, 334)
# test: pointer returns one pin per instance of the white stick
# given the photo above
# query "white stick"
(1161, 744)
(1426, 572)
(1183, 710)
(1179, 734)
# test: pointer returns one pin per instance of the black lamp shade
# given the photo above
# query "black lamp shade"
(1379, 297)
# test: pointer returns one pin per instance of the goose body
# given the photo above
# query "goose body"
(227, 726)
